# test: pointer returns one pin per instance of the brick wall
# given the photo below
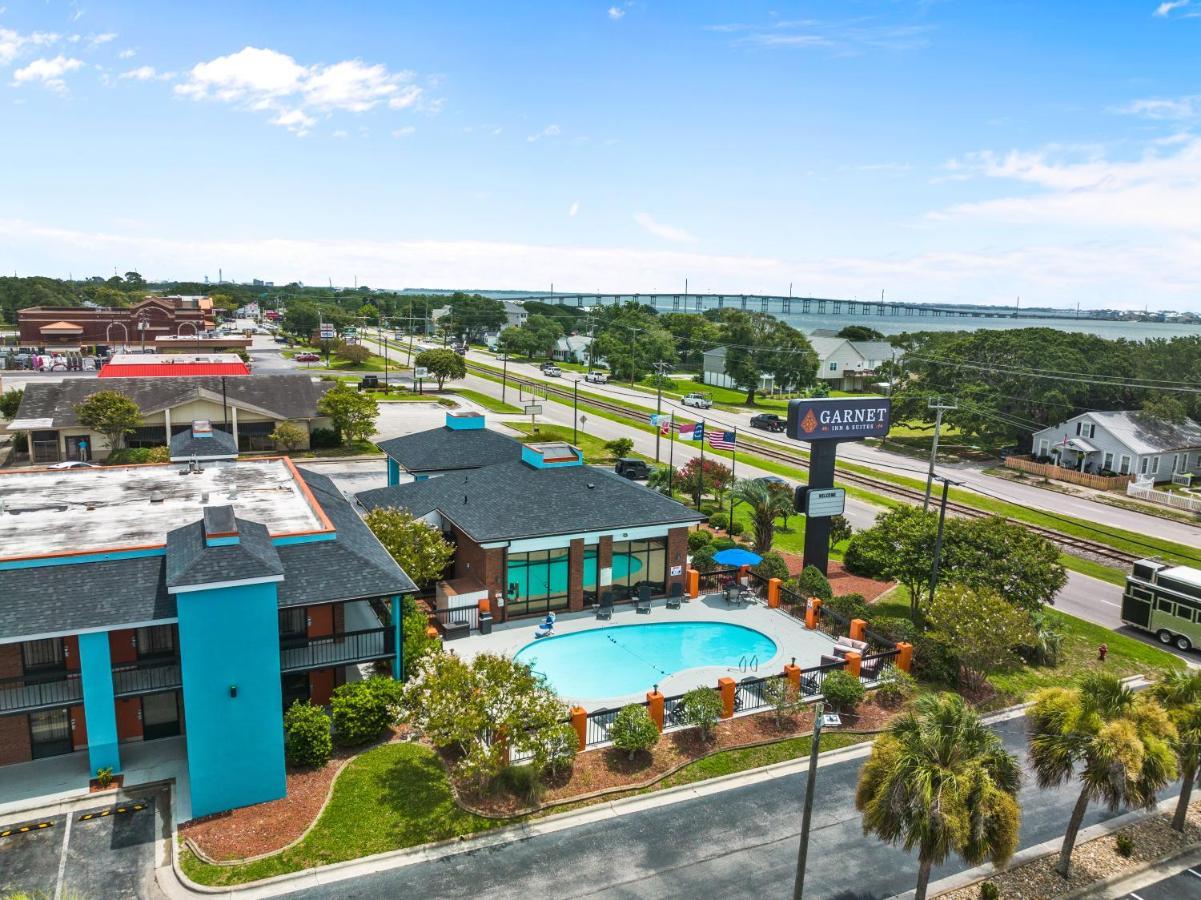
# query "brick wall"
(14, 740)
(485, 566)
(11, 664)
(575, 575)
(677, 555)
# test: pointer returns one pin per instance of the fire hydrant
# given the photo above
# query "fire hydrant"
(1102, 651)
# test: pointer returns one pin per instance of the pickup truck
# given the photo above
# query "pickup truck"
(698, 400)
(597, 378)
(632, 468)
(767, 422)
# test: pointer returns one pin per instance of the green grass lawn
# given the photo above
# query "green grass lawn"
(357, 448)
(593, 447)
(489, 403)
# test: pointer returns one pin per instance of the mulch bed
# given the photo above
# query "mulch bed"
(608, 768)
(266, 827)
(842, 581)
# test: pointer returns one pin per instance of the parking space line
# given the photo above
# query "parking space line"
(62, 858)
(1193, 872)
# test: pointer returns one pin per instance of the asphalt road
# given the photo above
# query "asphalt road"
(1184, 885)
(738, 843)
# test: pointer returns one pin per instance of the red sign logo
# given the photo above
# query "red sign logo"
(809, 423)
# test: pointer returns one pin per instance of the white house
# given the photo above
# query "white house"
(573, 348)
(849, 365)
(713, 371)
(1123, 442)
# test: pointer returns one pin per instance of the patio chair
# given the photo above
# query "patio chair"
(732, 593)
(604, 609)
(644, 599)
(676, 596)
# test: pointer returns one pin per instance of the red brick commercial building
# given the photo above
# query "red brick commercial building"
(69, 327)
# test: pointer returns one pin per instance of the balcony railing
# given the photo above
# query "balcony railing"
(30, 693)
(147, 677)
(339, 650)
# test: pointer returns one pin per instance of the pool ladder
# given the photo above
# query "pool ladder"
(751, 664)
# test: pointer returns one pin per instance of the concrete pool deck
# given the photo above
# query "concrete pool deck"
(791, 637)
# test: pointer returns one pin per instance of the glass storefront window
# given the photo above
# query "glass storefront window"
(639, 562)
(536, 582)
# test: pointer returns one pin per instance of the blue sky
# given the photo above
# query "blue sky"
(953, 150)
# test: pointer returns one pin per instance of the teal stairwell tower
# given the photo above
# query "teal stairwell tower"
(224, 573)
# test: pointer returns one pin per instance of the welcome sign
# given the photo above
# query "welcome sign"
(839, 419)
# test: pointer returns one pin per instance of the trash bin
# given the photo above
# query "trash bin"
(486, 623)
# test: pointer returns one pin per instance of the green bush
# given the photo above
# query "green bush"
(633, 730)
(555, 748)
(1124, 844)
(719, 520)
(136, 456)
(895, 686)
(307, 741)
(812, 583)
(524, 782)
(853, 606)
(895, 628)
(773, 566)
(363, 709)
(723, 543)
(842, 690)
(989, 891)
(702, 559)
(858, 561)
(934, 661)
(325, 438)
(698, 539)
(701, 708)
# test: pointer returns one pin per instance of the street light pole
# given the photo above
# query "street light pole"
(660, 367)
(504, 376)
(575, 408)
(942, 517)
(935, 404)
(798, 888)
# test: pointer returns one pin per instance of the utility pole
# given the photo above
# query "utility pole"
(575, 409)
(935, 403)
(504, 376)
(798, 888)
(942, 517)
(660, 368)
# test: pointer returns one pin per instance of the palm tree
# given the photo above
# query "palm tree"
(940, 781)
(766, 504)
(1180, 693)
(1121, 741)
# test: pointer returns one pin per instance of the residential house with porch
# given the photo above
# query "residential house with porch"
(545, 532)
(846, 365)
(1122, 442)
(196, 600)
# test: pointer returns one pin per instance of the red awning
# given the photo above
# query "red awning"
(161, 370)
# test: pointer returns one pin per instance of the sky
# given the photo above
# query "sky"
(932, 150)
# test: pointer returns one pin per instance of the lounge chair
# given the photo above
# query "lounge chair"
(644, 599)
(605, 609)
(676, 596)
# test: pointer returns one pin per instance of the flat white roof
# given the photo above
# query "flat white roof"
(142, 359)
(1186, 574)
(90, 510)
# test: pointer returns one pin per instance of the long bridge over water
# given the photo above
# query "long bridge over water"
(792, 305)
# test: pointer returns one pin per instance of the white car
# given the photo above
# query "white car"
(597, 378)
(698, 400)
(73, 464)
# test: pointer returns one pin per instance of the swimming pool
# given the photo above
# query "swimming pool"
(631, 659)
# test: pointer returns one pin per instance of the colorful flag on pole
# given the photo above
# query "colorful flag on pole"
(721, 440)
(665, 425)
(692, 432)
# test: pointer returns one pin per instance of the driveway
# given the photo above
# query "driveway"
(102, 851)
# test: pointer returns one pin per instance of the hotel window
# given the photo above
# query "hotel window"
(157, 640)
(293, 627)
(536, 582)
(590, 576)
(640, 562)
(43, 654)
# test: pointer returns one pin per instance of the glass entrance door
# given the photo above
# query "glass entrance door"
(50, 733)
(160, 716)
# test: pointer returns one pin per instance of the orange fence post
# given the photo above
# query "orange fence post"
(811, 613)
(654, 706)
(905, 656)
(793, 673)
(743, 572)
(773, 592)
(852, 667)
(579, 721)
(858, 629)
(431, 631)
(694, 583)
(726, 686)
(485, 606)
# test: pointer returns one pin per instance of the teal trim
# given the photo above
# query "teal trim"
(398, 638)
(288, 539)
(393, 472)
(222, 541)
(421, 478)
(464, 422)
(40, 561)
(99, 707)
(229, 643)
(531, 457)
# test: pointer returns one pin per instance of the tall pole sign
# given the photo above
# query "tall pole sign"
(824, 424)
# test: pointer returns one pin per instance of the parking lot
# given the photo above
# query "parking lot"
(100, 851)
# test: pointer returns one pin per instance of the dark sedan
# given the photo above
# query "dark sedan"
(768, 422)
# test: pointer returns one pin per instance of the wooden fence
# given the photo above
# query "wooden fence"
(1059, 473)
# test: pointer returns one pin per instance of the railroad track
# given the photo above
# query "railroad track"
(1069, 543)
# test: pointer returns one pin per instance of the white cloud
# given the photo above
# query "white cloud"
(13, 43)
(403, 132)
(851, 36)
(667, 232)
(264, 79)
(616, 12)
(548, 131)
(97, 40)
(146, 73)
(1164, 107)
(48, 72)
(340, 135)
(1165, 9)
(574, 209)
(127, 54)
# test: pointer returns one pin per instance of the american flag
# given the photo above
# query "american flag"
(721, 440)
(665, 425)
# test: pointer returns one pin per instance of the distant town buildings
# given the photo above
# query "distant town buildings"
(72, 327)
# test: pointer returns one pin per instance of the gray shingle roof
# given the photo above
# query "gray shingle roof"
(1142, 434)
(116, 593)
(444, 449)
(287, 396)
(191, 561)
(512, 500)
(185, 445)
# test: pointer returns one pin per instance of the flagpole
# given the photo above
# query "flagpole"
(733, 469)
(702, 473)
(671, 456)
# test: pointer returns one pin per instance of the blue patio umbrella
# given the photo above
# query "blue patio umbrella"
(736, 556)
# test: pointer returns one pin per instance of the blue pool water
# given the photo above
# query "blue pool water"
(630, 659)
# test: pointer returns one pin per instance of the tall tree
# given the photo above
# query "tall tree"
(1010, 559)
(759, 344)
(1180, 693)
(941, 782)
(697, 480)
(443, 365)
(1119, 742)
(983, 628)
(111, 413)
(766, 505)
(900, 547)
(417, 547)
(353, 413)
